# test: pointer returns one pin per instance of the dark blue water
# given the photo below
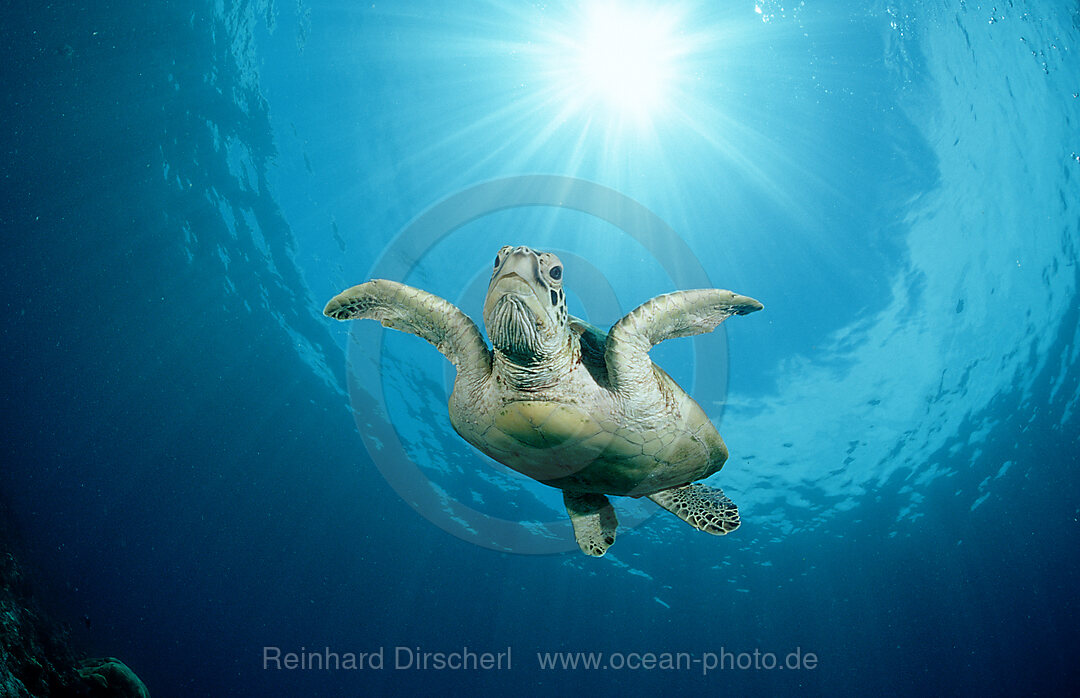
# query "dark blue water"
(184, 185)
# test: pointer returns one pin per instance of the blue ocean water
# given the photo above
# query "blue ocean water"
(189, 455)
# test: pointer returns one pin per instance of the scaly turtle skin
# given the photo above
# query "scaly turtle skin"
(563, 402)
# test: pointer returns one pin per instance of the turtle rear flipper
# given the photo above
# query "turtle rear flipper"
(594, 521)
(705, 508)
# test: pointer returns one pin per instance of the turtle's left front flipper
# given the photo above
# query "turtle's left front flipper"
(679, 314)
(705, 508)
(420, 313)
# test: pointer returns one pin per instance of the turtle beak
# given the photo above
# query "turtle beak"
(518, 276)
(522, 263)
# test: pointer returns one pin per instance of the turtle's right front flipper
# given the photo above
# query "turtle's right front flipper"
(678, 314)
(420, 313)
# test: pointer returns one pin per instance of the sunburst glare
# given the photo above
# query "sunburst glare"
(624, 59)
(632, 93)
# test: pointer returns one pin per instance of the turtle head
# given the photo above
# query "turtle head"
(525, 308)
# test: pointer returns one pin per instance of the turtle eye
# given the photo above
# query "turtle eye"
(555, 273)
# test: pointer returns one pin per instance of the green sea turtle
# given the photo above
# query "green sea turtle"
(565, 403)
